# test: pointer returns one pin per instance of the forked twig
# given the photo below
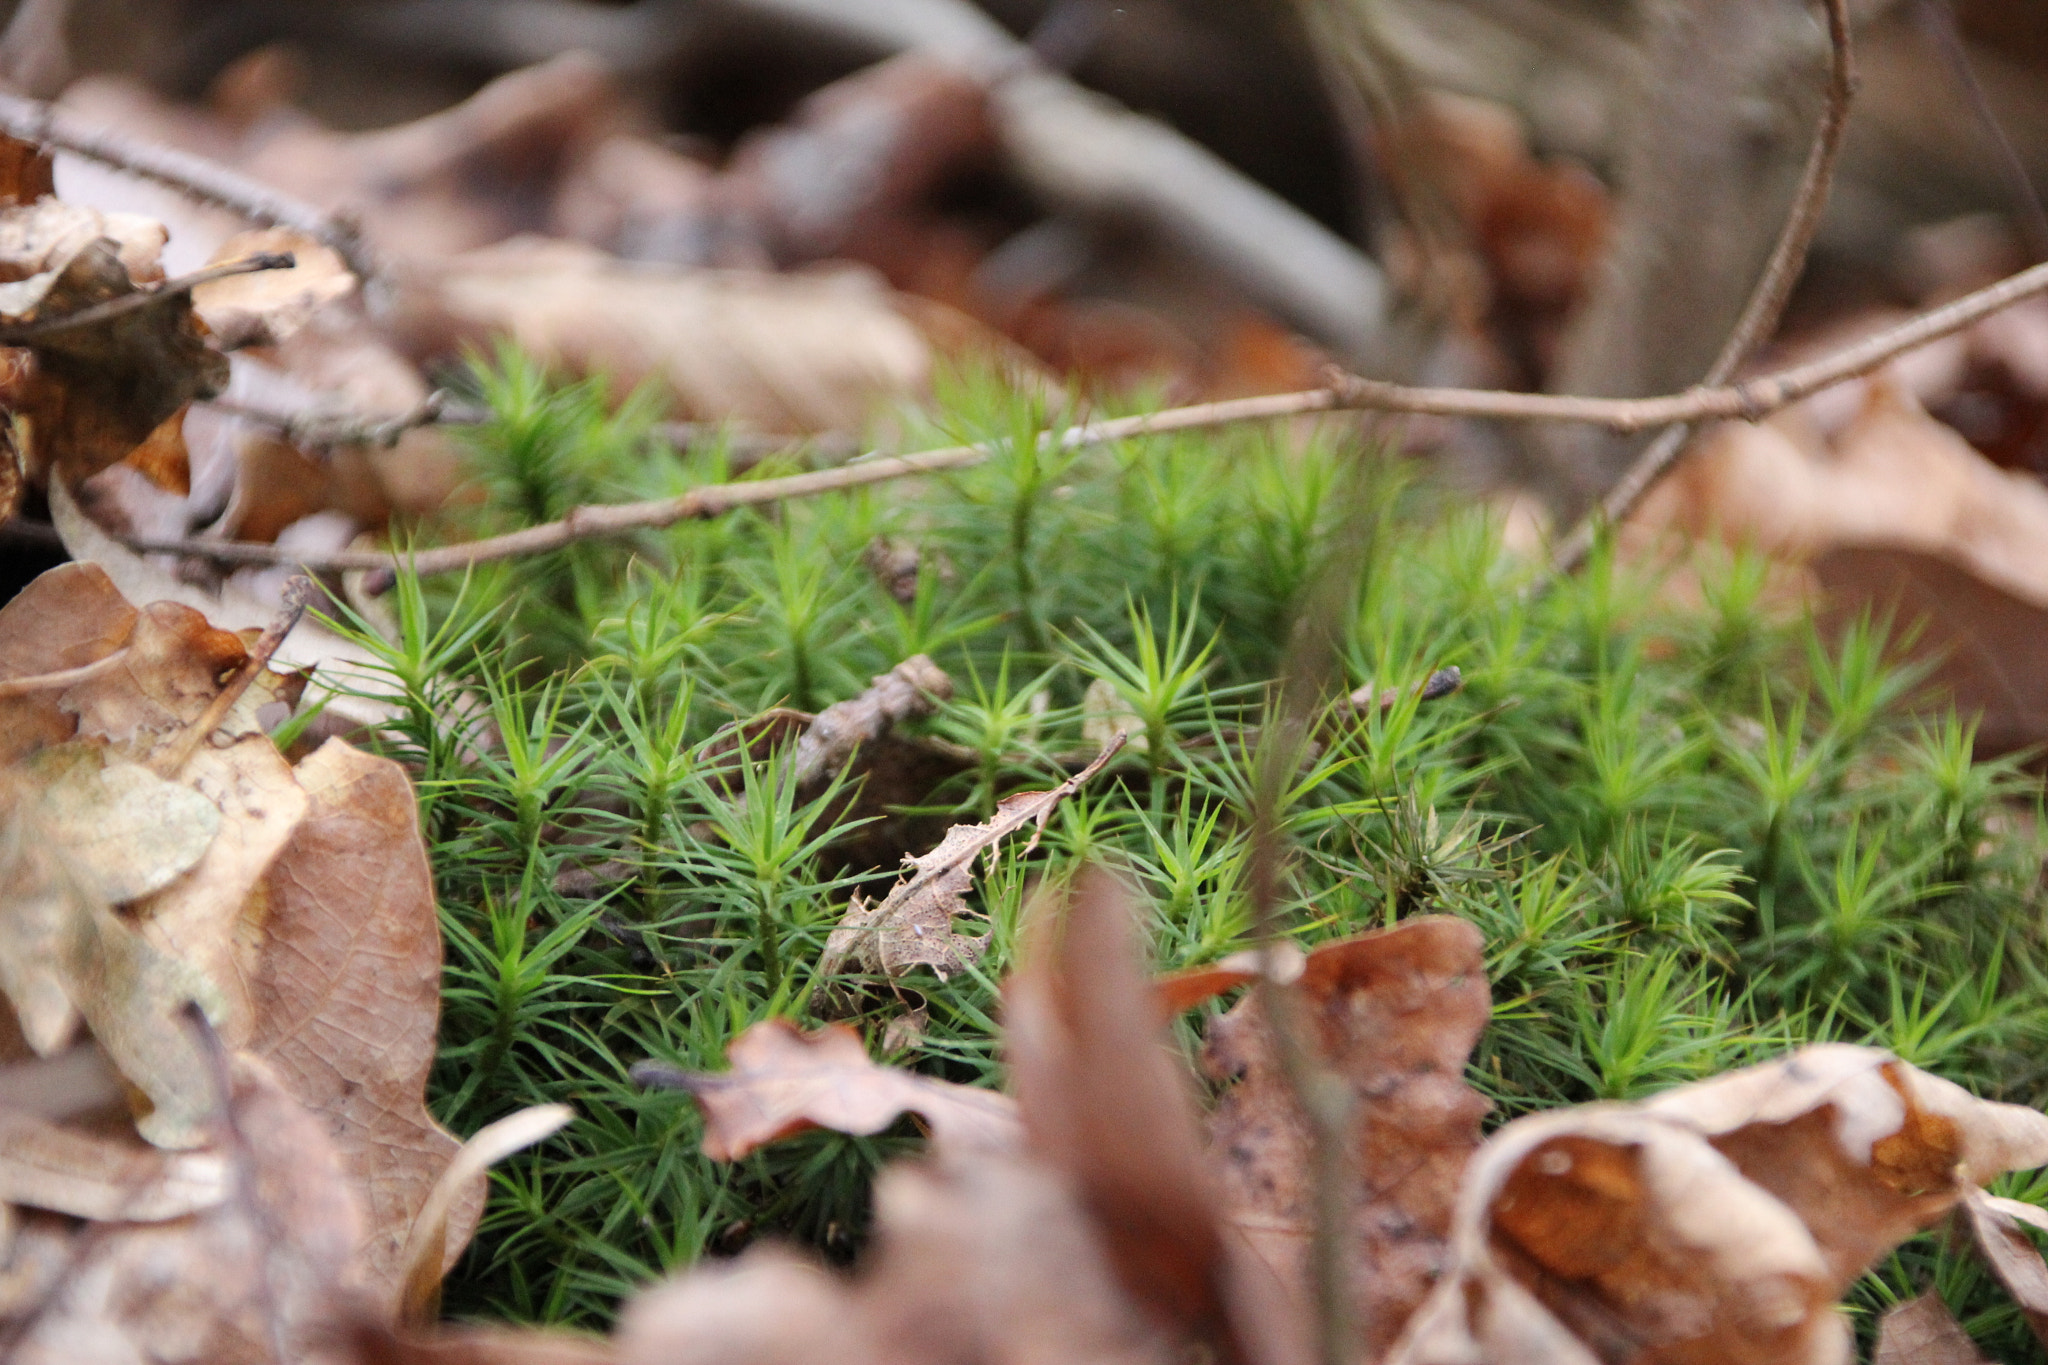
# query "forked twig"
(298, 591)
(1766, 303)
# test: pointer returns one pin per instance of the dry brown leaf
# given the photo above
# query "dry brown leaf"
(65, 1171)
(1106, 1101)
(1394, 1016)
(1921, 1331)
(125, 832)
(257, 1278)
(346, 992)
(1717, 1222)
(797, 353)
(265, 308)
(784, 1081)
(171, 671)
(913, 925)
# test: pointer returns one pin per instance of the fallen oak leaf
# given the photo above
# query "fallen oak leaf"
(784, 1081)
(1106, 1102)
(913, 925)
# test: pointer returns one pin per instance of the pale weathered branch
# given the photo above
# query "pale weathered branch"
(26, 333)
(1766, 303)
(1749, 401)
(194, 176)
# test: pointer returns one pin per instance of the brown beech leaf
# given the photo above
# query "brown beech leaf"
(265, 308)
(256, 1278)
(1105, 1100)
(784, 1081)
(125, 832)
(346, 992)
(1718, 1222)
(913, 925)
(1394, 1016)
(1921, 1331)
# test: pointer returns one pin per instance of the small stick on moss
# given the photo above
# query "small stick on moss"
(24, 333)
(1748, 401)
(209, 182)
(298, 591)
(1759, 316)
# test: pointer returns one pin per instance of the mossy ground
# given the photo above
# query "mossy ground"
(1693, 837)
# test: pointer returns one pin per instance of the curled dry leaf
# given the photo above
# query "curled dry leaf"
(65, 955)
(265, 308)
(913, 925)
(69, 617)
(784, 1081)
(65, 1171)
(429, 1249)
(1718, 1222)
(768, 1307)
(346, 993)
(1393, 1015)
(258, 1277)
(1995, 1228)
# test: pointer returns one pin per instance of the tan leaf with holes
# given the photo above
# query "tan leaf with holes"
(784, 1081)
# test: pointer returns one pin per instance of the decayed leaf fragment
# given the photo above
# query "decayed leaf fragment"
(1921, 1331)
(911, 689)
(1394, 1016)
(913, 925)
(784, 1081)
(45, 1166)
(1718, 1222)
(1995, 1227)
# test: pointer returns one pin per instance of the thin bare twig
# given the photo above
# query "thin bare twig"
(23, 333)
(1748, 401)
(195, 176)
(1759, 316)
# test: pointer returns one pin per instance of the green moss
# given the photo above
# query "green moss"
(1691, 838)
